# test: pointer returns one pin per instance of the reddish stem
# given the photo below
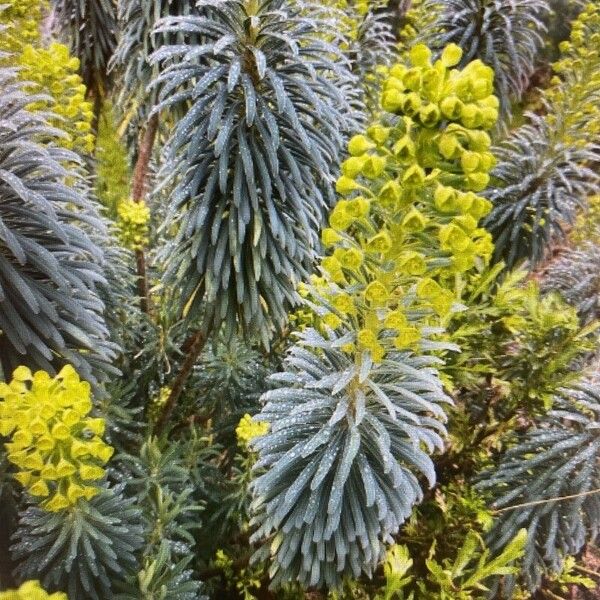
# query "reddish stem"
(195, 346)
(138, 192)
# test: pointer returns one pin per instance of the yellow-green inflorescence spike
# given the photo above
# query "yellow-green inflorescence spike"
(575, 94)
(22, 21)
(31, 590)
(48, 71)
(248, 429)
(406, 227)
(133, 219)
(55, 444)
(54, 71)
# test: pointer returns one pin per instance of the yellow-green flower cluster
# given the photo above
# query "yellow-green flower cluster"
(587, 225)
(53, 71)
(22, 20)
(31, 590)
(158, 402)
(575, 95)
(248, 429)
(54, 442)
(112, 163)
(429, 93)
(406, 227)
(132, 221)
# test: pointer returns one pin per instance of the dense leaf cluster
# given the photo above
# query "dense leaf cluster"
(50, 269)
(252, 161)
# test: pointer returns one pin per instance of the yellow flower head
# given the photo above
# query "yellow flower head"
(248, 429)
(53, 71)
(133, 219)
(54, 442)
(419, 174)
(376, 293)
(414, 221)
(31, 590)
(373, 166)
(359, 145)
(382, 242)
(344, 304)
(407, 337)
(329, 237)
(351, 258)
(411, 263)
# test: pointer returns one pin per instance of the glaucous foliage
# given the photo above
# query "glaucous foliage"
(545, 172)
(367, 39)
(84, 550)
(575, 274)
(50, 269)
(539, 184)
(137, 40)
(252, 161)
(90, 28)
(546, 477)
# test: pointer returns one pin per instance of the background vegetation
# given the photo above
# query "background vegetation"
(299, 300)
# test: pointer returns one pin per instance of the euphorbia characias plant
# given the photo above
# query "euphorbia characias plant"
(358, 409)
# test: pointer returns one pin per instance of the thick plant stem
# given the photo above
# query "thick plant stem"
(194, 348)
(138, 191)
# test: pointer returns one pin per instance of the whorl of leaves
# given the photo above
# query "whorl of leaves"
(137, 20)
(83, 551)
(123, 316)
(154, 466)
(538, 184)
(376, 42)
(124, 423)
(576, 275)
(91, 28)
(506, 35)
(229, 381)
(50, 269)
(163, 576)
(557, 458)
(252, 161)
(342, 456)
